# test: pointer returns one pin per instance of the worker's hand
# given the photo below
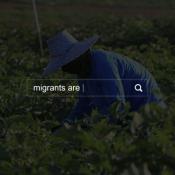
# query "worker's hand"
(67, 125)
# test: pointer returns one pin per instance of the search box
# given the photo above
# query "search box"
(125, 88)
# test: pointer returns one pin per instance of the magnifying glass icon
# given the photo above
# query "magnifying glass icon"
(138, 88)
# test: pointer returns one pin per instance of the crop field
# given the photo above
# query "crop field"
(142, 143)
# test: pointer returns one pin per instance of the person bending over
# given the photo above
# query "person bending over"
(124, 74)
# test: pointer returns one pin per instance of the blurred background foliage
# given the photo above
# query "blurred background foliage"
(108, 2)
(142, 143)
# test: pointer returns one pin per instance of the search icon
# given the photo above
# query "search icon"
(138, 88)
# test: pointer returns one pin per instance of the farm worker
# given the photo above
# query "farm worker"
(117, 78)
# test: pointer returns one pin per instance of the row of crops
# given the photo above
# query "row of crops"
(141, 143)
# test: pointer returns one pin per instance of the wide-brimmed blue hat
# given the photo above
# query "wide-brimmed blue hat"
(64, 48)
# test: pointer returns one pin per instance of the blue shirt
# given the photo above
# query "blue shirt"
(125, 74)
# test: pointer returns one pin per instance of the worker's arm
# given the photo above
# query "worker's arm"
(110, 86)
(82, 107)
